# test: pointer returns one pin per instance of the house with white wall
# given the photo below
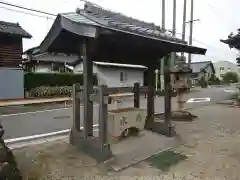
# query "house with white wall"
(49, 62)
(116, 75)
(110, 74)
(222, 67)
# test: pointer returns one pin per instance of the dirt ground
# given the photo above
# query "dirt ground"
(211, 144)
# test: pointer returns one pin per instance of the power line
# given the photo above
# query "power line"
(209, 46)
(28, 9)
(217, 14)
(13, 10)
(42, 12)
(47, 17)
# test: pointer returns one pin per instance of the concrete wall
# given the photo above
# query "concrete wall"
(79, 68)
(12, 83)
(225, 66)
(110, 76)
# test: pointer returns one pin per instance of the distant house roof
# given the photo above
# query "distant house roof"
(33, 50)
(200, 66)
(13, 29)
(63, 58)
(119, 65)
(233, 40)
(58, 58)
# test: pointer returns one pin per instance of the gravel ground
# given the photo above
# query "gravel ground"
(211, 144)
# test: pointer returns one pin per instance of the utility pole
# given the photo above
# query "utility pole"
(161, 72)
(173, 55)
(163, 14)
(184, 23)
(156, 79)
(191, 32)
(168, 79)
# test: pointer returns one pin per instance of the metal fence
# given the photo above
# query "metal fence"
(11, 83)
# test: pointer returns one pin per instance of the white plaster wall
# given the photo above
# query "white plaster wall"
(39, 68)
(111, 76)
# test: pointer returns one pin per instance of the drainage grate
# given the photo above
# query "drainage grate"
(61, 117)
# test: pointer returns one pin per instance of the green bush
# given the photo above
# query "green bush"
(231, 77)
(33, 80)
(214, 80)
(50, 91)
(44, 91)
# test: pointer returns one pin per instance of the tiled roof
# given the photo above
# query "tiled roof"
(62, 58)
(100, 17)
(33, 50)
(58, 58)
(13, 29)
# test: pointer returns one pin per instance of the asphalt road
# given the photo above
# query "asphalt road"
(51, 120)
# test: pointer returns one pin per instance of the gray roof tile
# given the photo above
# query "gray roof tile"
(58, 58)
(100, 17)
(79, 19)
(198, 66)
(13, 29)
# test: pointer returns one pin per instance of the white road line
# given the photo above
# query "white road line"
(39, 136)
(18, 145)
(34, 112)
(229, 90)
(197, 100)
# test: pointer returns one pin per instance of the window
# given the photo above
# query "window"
(177, 78)
(221, 69)
(123, 76)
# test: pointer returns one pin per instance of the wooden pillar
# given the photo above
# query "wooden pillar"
(136, 95)
(167, 91)
(88, 89)
(76, 107)
(150, 95)
(103, 111)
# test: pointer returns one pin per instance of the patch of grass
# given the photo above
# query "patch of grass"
(165, 160)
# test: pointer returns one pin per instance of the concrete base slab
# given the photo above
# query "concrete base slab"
(184, 116)
(136, 149)
(91, 146)
(161, 128)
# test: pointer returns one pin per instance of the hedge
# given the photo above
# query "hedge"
(33, 80)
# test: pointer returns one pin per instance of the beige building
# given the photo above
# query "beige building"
(222, 67)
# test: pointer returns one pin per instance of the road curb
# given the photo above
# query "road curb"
(40, 136)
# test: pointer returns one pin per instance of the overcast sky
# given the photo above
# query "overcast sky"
(217, 19)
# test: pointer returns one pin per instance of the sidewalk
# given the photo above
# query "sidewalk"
(211, 144)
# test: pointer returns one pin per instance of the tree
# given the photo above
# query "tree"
(231, 77)
(238, 61)
(213, 80)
